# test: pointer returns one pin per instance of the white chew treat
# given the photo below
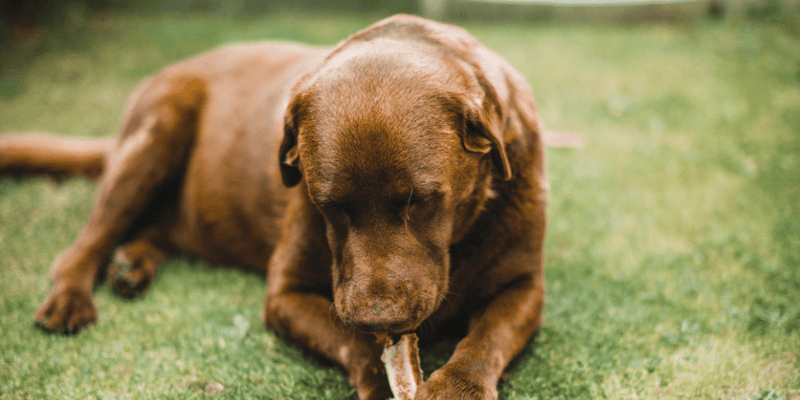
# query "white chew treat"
(401, 360)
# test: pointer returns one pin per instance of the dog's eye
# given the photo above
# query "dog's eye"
(331, 207)
(415, 200)
(413, 205)
(336, 213)
(410, 201)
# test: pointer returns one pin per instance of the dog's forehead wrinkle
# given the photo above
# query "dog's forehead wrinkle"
(396, 76)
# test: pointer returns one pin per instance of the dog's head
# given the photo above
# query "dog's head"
(398, 143)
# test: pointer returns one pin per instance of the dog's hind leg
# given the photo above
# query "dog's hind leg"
(154, 146)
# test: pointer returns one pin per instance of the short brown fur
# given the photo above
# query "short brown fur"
(394, 183)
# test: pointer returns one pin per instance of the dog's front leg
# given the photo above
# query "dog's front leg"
(496, 334)
(299, 308)
(310, 321)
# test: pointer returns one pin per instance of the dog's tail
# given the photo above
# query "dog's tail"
(56, 156)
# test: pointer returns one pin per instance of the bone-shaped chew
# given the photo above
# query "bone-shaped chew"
(401, 360)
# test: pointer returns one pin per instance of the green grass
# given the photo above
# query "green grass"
(673, 251)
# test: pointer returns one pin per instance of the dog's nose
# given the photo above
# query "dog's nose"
(382, 314)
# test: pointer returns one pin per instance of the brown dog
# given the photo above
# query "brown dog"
(417, 166)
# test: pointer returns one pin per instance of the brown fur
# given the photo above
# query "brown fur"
(413, 195)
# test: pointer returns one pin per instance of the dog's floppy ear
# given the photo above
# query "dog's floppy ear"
(484, 130)
(289, 154)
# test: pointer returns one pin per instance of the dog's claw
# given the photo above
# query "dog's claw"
(66, 311)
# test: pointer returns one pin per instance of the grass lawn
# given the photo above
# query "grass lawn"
(673, 251)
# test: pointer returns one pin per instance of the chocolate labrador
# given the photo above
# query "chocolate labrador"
(393, 181)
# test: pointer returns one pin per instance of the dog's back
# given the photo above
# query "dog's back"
(230, 171)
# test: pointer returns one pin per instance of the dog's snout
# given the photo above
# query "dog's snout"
(374, 307)
(381, 314)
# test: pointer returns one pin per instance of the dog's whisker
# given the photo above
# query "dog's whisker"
(427, 325)
(444, 297)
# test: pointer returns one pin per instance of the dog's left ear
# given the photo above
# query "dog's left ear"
(289, 155)
(484, 131)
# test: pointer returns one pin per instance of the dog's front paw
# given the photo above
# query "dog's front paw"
(66, 311)
(456, 382)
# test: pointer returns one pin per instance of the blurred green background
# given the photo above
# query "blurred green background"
(14, 14)
(673, 248)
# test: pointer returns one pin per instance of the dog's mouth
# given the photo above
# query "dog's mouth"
(383, 329)
(380, 336)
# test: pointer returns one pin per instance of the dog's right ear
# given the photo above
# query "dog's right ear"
(289, 155)
(484, 132)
